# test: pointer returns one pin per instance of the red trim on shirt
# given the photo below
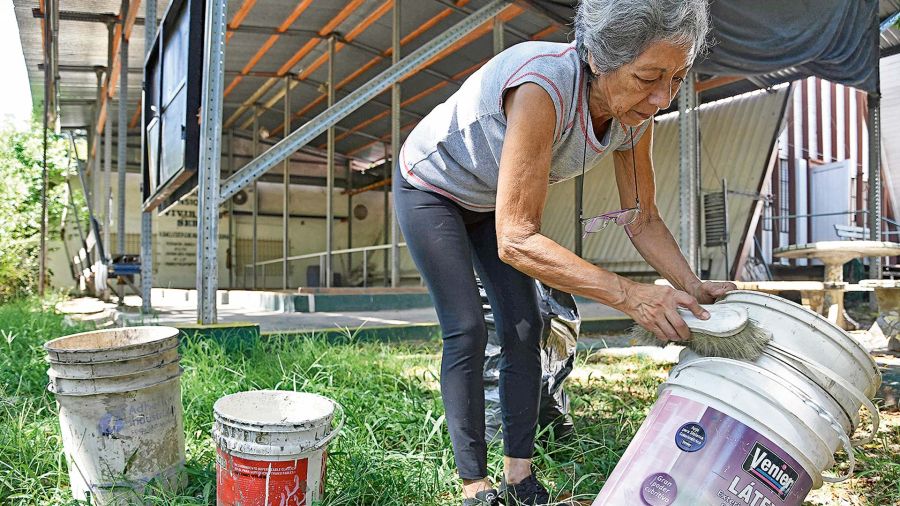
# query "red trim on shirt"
(558, 96)
(571, 48)
(513, 78)
(433, 188)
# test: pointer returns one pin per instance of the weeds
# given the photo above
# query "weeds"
(394, 448)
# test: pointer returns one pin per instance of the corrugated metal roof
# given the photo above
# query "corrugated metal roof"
(83, 45)
(737, 137)
(890, 38)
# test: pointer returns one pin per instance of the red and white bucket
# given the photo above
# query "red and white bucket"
(272, 447)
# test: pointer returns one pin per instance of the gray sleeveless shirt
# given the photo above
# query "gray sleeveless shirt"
(455, 150)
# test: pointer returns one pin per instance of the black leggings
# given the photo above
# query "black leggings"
(446, 241)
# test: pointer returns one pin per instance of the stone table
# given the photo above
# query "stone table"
(834, 254)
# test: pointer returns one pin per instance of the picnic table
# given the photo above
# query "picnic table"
(834, 254)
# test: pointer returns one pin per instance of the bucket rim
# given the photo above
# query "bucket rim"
(58, 375)
(868, 363)
(286, 428)
(759, 371)
(51, 360)
(229, 444)
(271, 426)
(320, 443)
(170, 332)
(174, 377)
(781, 362)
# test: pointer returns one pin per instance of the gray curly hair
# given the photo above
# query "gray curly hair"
(615, 32)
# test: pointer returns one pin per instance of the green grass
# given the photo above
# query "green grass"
(394, 448)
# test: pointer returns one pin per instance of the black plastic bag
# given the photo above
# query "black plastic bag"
(561, 327)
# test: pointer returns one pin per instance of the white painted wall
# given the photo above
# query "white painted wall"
(830, 187)
(175, 237)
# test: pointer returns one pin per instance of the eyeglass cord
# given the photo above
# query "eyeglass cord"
(637, 199)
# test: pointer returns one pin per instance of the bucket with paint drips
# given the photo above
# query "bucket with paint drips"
(272, 447)
(120, 415)
(726, 432)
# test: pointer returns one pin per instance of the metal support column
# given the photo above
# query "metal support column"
(210, 160)
(42, 260)
(365, 92)
(498, 32)
(286, 202)
(349, 187)
(122, 152)
(107, 156)
(387, 215)
(874, 197)
(255, 201)
(231, 253)
(97, 159)
(147, 216)
(395, 143)
(688, 168)
(329, 185)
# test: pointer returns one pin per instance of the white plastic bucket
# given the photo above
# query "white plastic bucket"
(272, 447)
(714, 435)
(811, 336)
(734, 433)
(119, 398)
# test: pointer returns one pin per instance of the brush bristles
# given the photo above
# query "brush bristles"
(747, 344)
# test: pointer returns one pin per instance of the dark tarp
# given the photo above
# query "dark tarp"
(558, 342)
(833, 39)
(836, 40)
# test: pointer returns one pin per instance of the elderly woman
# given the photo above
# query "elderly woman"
(470, 186)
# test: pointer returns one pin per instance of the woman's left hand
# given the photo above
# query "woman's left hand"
(707, 292)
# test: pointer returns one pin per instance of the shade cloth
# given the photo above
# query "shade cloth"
(833, 39)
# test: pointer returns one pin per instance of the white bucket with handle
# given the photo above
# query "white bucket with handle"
(763, 433)
(120, 413)
(272, 447)
(809, 335)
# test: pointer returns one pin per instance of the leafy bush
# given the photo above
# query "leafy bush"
(21, 173)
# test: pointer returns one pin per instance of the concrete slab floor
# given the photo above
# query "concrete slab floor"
(272, 321)
(615, 344)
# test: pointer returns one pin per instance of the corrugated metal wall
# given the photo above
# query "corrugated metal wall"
(826, 123)
(737, 136)
(890, 127)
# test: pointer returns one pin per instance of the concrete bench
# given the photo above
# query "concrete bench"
(851, 232)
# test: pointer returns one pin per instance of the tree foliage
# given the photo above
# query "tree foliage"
(21, 174)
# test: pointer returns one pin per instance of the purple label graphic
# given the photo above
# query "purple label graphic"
(659, 490)
(716, 460)
(690, 437)
(110, 424)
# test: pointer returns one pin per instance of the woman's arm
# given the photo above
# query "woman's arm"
(649, 234)
(521, 194)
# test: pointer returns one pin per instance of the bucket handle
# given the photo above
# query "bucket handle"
(842, 435)
(334, 431)
(852, 390)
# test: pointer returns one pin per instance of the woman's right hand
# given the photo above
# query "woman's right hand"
(655, 307)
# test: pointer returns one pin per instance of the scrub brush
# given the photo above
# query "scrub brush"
(728, 333)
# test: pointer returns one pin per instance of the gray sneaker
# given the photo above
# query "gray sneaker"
(489, 497)
(528, 492)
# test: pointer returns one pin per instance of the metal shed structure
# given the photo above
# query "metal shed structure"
(317, 83)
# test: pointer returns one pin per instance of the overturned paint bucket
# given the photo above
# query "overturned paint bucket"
(119, 398)
(272, 447)
(762, 433)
